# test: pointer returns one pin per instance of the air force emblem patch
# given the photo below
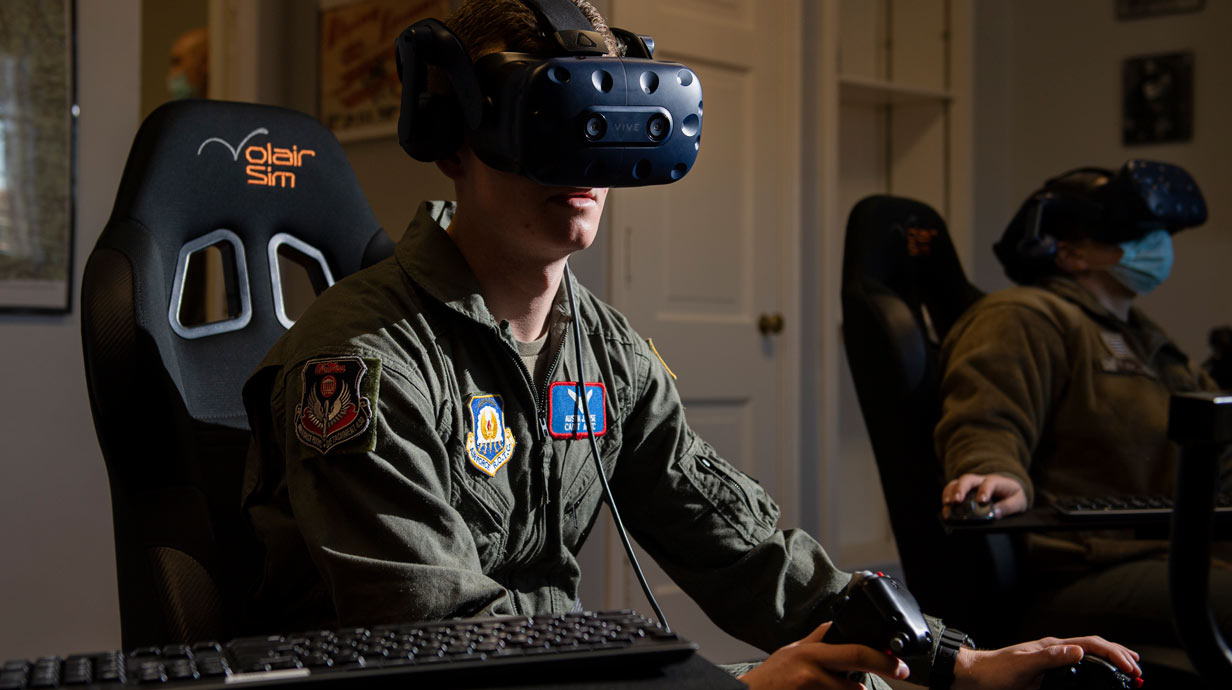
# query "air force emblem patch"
(490, 444)
(332, 409)
(564, 416)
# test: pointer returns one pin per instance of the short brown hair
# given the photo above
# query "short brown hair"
(489, 26)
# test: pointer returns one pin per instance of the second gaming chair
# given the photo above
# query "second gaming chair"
(254, 183)
(903, 288)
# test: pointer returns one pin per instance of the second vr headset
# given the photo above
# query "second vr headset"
(1108, 207)
(575, 118)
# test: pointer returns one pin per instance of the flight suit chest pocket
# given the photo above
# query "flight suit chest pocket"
(582, 493)
(485, 504)
(569, 429)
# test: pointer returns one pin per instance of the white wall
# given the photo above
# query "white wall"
(57, 567)
(1049, 98)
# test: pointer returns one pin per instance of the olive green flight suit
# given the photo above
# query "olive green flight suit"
(400, 521)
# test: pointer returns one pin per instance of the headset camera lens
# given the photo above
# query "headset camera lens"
(596, 127)
(657, 127)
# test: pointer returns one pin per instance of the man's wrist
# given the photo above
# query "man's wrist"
(963, 667)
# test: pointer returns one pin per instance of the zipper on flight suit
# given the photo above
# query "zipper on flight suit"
(547, 380)
(541, 414)
(541, 430)
(540, 398)
(571, 511)
(730, 482)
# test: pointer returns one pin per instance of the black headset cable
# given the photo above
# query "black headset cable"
(594, 451)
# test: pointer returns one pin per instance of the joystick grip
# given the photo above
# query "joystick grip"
(876, 611)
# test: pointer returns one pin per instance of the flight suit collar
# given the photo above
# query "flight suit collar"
(432, 260)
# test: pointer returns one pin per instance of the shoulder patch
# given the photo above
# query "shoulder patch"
(333, 408)
(489, 444)
(656, 354)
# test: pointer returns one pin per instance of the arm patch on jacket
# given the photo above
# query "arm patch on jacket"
(335, 403)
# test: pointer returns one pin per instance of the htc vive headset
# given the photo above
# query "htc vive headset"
(573, 118)
(1141, 197)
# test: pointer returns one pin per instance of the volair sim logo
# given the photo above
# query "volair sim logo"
(268, 165)
(919, 241)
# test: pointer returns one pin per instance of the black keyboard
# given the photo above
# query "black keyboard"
(1127, 506)
(368, 657)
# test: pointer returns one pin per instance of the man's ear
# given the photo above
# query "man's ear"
(1070, 257)
(452, 167)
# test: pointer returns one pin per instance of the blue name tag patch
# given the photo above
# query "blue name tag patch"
(564, 409)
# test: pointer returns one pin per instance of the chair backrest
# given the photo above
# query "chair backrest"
(903, 288)
(253, 182)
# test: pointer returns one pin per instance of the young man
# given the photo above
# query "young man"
(410, 464)
(1060, 387)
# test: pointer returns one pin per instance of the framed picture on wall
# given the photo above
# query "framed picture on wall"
(1158, 98)
(37, 132)
(360, 94)
(1139, 9)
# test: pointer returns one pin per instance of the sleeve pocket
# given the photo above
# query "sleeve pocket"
(734, 495)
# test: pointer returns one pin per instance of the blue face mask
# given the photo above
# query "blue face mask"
(179, 88)
(1145, 262)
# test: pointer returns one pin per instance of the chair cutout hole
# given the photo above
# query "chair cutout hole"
(211, 291)
(298, 273)
(930, 331)
(301, 280)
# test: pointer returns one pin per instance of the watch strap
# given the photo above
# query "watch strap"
(942, 675)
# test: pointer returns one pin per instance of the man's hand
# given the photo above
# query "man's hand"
(1020, 667)
(1007, 493)
(811, 663)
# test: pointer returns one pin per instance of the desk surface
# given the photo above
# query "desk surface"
(692, 673)
(1047, 519)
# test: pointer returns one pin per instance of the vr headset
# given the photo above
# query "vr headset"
(1112, 208)
(573, 118)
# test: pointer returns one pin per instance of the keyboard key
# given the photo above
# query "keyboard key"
(78, 670)
(152, 672)
(212, 666)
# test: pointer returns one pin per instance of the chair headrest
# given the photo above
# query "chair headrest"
(255, 178)
(903, 246)
(199, 165)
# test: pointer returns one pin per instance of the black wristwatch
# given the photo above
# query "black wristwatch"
(952, 640)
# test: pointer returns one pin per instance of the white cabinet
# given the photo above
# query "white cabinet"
(893, 111)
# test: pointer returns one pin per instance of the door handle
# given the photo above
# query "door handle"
(770, 324)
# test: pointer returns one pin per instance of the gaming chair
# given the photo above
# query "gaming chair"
(903, 288)
(253, 182)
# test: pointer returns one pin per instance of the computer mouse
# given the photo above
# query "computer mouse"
(1093, 673)
(971, 509)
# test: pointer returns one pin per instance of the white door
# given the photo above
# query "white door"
(698, 263)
